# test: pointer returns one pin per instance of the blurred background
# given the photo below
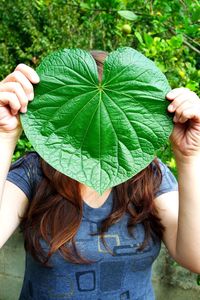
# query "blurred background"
(165, 31)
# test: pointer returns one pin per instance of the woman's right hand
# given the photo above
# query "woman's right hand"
(16, 90)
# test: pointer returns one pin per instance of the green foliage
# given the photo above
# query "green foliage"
(22, 147)
(165, 31)
(99, 133)
(128, 15)
(198, 279)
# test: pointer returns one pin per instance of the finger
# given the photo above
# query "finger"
(9, 123)
(18, 76)
(5, 119)
(177, 102)
(182, 119)
(179, 111)
(191, 113)
(7, 98)
(176, 92)
(189, 96)
(28, 72)
(16, 88)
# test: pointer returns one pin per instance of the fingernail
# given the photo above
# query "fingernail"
(31, 96)
(175, 119)
(36, 77)
(24, 110)
(170, 94)
(170, 107)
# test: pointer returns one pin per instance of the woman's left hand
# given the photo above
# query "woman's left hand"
(185, 136)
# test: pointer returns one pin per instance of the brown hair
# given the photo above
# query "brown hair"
(55, 212)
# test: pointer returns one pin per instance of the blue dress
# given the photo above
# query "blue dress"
(126, 275)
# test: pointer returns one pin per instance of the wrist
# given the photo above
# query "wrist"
(189, 160)
(11, 136)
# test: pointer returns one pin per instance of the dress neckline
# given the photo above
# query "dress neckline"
(102, 206)
(106, 199)
(98, 213)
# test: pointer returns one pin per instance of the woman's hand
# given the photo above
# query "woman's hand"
(16, 90)
(185, 137)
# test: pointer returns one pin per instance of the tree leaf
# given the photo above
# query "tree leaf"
(128, 15)
(99, 133)
(139, 37)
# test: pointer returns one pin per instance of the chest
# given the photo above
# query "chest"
(118, 245)
(120, 248)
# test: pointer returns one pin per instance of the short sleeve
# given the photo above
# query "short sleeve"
(25, 173)
(169, 182)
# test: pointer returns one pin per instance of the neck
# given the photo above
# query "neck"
(92, 197)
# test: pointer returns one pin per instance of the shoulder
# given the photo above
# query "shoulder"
(31, 161)
(26, 172)
(28, 158)
(169, 182)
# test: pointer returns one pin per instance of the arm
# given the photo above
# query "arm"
(188, 236)
(15, 92)
(178, 239)
(180, 212)
(7, 149)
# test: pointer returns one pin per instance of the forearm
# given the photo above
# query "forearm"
(7, 146)
(188, 235)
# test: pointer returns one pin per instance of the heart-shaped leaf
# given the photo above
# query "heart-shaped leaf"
(99, 133)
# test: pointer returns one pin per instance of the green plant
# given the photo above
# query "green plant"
(99, 133)
(165, 31)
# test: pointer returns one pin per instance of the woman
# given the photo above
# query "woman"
(80, 245)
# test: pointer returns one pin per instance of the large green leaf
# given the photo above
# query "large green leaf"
(100, 134)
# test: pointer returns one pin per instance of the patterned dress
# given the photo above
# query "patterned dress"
(124, 275)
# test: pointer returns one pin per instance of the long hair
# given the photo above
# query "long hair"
(56, 210)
